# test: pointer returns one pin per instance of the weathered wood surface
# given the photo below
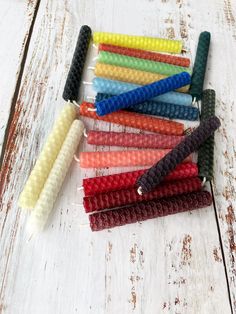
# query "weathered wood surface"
(171, 265)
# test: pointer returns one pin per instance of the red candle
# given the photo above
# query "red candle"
(130, 196)
(148, 55)
(126, 180)
(148, 210)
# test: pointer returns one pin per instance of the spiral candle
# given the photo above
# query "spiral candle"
(130, 75)
(133, 139)
(166, 110)
(48, 155)
(128, 158)
(112, 87)
(140, 64)
(142, 94)
(130, 196)
(127, 180)
(73, 80)
(199, 68)
(142, 42)
(135, 120)
(148, 210)
(153, 176)
(44, 205)
(148, 55)
(206, 151)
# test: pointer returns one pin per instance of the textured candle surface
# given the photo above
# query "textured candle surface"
(130, 196)
(166, 110)
(142, 94)
(121, 158)
(133, 139)
(71, 90)
(206, 151)
(44, 205)
(130, 75)
(48, 155)
(148, 55)
(126, 180)
(142, 42)
(135, 120)
(153, 176)
(200, 63)
(140, 64)
(148, 210)
(112, 87)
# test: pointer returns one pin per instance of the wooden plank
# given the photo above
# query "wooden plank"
(170, 265)
(16, 18)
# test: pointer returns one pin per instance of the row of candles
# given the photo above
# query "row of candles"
(146, 84)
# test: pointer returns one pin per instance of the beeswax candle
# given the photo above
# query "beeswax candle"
(133, 139)
(44, 205)
(140, 64)
(153, 176)
(141, 94)
(135, 120)
(47, 157)
(126, 180)
(130, 75)
(149, 210)
(142, 42)
(130, 196)
(112, 87)
(128, 158)
(148, 55)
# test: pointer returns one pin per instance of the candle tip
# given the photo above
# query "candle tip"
(139, 190)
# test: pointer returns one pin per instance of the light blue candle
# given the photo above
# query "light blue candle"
(111, 87)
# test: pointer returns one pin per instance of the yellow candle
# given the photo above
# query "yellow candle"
(47, 157)
(140, 42)
(44, 205)
(123, 74)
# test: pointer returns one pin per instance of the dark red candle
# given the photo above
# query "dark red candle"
(130, 196)
(147, 210)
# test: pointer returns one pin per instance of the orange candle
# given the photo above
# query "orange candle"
(128, 158)
(135, 120)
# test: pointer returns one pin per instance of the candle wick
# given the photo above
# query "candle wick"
(76, 158)
(85, 133)
(76, 104)
(80, 188)
(139, 190)
(91, 68)
(90, 98)
(87, 83)
(92, 109)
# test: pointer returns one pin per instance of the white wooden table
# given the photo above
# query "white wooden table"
(184, 263)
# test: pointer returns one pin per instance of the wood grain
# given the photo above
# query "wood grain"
(170, 265)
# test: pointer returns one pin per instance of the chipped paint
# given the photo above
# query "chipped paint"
(186, 252)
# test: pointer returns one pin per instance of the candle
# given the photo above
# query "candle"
(39, 215)
(71, 89)
(142, 42)
(127, 158)
(153, 176)
(148, 55)
(135, 120)
(206, 151)
(130, 75)
(142, 94)
(148, 210)
(199, 68)
(166, 110)
(112, 87)
(130, 196)
(127, 180)
(140, 64)
(47, 157)
(133, 139)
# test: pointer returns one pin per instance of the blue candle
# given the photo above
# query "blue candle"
(141, 94)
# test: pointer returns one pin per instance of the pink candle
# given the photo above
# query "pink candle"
(133, 139)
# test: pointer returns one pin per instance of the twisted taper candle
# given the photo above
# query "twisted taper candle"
(153, 176)
(142, 94)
